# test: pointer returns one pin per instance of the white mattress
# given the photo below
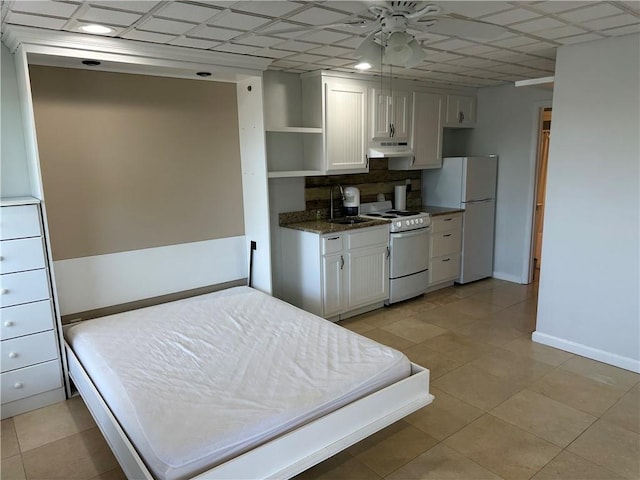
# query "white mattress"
(196, 382)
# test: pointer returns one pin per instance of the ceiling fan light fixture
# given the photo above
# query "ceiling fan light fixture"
(417, 54)
(369, 52)
(363, 66)
(398, 51)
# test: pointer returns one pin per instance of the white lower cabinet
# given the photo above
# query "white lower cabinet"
(446, 242)
(336, 275)
(29, 355)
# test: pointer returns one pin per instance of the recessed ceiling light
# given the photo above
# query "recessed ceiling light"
(97, 29)
(363, 66)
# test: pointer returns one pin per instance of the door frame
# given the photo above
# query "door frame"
(538, 119)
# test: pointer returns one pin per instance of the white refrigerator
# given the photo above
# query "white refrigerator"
(468, 183)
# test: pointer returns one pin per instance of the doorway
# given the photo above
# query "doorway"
(544, 135)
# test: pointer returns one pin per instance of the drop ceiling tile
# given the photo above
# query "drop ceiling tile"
(322, 36)
(434, 56)
(601, 9)
(56, 9)
(560, 32)
(317, 16)
(166, 26)
(272, 53)
(587, 37)
(257, 40)
(148, 36)
(188, 12)
(140, 6)
(238, 21)
(513, 42)
(232, 48)
(558, 6)
(295, 46)
(612, 22)
(214, 33)
(336, 62)
(454, 44)
(473, 62)
(272, 9)
(426, 37)
(540, 63)
(634, 5)
(194, 43)
(538, 24)
(474, 9)
(477, 49)
(306, 58)
(448, 67)
(511, 16)
(276, 27)
(331, 51)
(534, 47)
(350, 7)
(110, 17)
(483, 74)
(286, 64)
(623, 30)
(35, 21)
(353, 42)
(498, 54)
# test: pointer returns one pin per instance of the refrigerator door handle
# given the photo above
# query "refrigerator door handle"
(482, 200)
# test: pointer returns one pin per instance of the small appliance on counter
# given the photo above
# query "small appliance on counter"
(351, 201)
(400, 197)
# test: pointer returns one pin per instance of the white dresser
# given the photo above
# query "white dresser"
(30, 352)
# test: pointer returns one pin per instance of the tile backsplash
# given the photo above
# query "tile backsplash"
(379, 180)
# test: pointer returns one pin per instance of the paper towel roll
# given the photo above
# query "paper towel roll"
(400, 197)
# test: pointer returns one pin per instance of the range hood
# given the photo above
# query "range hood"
(391, 150)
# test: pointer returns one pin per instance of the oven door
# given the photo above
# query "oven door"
(409, 252)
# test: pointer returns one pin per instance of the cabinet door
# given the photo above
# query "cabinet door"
(427, 130)
(461, 111)
(345, 137)
(368, 276)
(381, 115)
(332, 284)
(401, 120)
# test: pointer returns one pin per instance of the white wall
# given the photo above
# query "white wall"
(13, 167)
(589, 287)
(507, 119)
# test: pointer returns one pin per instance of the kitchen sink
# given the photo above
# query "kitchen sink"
(349, 220)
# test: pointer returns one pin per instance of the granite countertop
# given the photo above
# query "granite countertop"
(436, 211)
(324, 226)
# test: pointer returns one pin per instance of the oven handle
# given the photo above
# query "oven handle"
(411, 233)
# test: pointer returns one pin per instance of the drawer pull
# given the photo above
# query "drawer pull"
(447, 235)
(13, 354)
(4, 291)
(446, 259)
(447, 219)
(9, 324)
(17, 385)
(333, 238)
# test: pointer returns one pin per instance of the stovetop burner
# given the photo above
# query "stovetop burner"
(402, 220)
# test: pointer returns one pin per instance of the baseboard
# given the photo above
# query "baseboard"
(507, 277)
(589, 352)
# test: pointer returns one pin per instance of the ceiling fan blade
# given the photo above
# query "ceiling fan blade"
(360, 24)
(455, 27)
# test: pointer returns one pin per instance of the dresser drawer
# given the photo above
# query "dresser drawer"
(19, 221)
(22, 254)
(443, 223)
(444, 268)
(23, 287)
(26, 319)
(24, 351)
(29, 381)
(443, 243)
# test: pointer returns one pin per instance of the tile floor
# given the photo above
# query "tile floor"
(505, 407)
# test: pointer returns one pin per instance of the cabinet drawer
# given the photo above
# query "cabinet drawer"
(19, 221)
(26, 319)
(368, 238)
(446, 222)
(23, 287)
(443, 243)
(31, 380)
(444, 268)
(24, 351)
(331, 244)
(21, 254)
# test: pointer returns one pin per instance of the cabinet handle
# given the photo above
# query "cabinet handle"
(446, 259)
(333, 238)
(13, 354)
(460, 117)
(9, 324)
(447, 235)
(4, 291)
(366, 157)
(393, 130)
(17, 385)
(341, 262)
(447, 219)
(388, 252)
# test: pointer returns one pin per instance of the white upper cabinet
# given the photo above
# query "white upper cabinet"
(390, 115)
(345, 110)
(461, 111)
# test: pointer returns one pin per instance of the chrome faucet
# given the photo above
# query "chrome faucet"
(331, 198)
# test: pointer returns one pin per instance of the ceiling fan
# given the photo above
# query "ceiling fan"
(389, 42)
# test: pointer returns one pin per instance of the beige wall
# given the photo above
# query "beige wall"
(131, 161)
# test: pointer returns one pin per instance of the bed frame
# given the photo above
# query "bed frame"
(286, 455)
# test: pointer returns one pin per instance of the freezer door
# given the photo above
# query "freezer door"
(479, 178)
(477, 241)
